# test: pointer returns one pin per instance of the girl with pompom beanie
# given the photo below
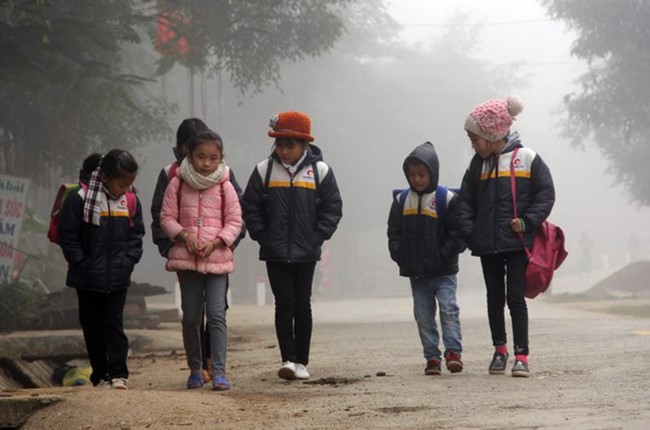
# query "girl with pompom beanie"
(488, 222)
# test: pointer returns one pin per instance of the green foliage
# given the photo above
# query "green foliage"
(251, 38)
(65, 90)
(613, 105)
(18, 305)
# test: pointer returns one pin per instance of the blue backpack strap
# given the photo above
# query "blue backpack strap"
(400, 195)
(441, 197)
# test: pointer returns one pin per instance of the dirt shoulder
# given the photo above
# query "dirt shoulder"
(589, 372)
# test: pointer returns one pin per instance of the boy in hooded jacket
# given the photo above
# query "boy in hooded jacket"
(425, 245)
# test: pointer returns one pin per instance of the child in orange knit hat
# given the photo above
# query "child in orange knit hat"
(291, 206)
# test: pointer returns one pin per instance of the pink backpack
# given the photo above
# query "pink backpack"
(546, 255)
(64, 191)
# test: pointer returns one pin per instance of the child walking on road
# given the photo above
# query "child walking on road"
(291, 206)
(186, 130)
(489, 225)
(201, 213)
(423, 240)
(102, 242)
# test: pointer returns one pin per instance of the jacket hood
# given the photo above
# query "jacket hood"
(425, 153)
(512, 141)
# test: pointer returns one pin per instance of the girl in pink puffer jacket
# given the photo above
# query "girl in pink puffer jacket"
(202, 215)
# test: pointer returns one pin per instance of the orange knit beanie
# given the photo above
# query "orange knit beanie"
(291, 124)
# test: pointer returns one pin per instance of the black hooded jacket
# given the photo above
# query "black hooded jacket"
(100, 258)
(486, 199)
(291, 217)
(419, 241)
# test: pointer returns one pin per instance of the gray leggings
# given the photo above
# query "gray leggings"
(198, 289)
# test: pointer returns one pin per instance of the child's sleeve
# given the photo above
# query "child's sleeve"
(158, 235)
(253, 206)
(543, 195)
(240, 195)
(394, 229)
(136, 232)
(330, 209)
(232, 215)
(71, 227)
(452, 242)
(169, 211)
(465, 213)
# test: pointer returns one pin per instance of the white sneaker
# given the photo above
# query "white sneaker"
(301, 371)
(287, 371)
(119, 383)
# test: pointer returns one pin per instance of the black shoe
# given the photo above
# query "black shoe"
(498, 364)
(520, 369)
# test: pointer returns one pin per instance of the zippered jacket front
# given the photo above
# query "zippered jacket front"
(292, 215)
(209, 214)
(486, 199)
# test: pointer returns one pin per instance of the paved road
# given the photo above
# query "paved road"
(590, 371)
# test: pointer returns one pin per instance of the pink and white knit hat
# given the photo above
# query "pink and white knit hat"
(491, 120)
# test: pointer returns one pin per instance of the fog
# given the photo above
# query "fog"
(367, 119)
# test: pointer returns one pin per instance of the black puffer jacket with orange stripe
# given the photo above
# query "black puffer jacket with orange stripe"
(100, 258)
(421, 241)
(292, 216)
(486, 207)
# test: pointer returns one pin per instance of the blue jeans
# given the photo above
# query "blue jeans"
(428, 293)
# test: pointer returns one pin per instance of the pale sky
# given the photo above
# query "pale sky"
(512, 25)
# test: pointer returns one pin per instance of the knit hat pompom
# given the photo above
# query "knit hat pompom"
(492, 119)
(515, 105)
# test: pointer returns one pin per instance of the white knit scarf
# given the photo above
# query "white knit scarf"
(198, 181)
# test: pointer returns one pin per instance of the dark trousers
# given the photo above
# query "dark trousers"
(504, 276)
(291, 286)
(102, 321)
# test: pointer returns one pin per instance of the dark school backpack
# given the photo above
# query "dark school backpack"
(64, 191)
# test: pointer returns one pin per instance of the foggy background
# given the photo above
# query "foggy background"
(368, 115)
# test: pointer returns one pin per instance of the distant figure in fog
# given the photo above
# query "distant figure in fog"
(101, 239)
(202, 215)
(489, 224)
(291, 206)
(424, 241)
